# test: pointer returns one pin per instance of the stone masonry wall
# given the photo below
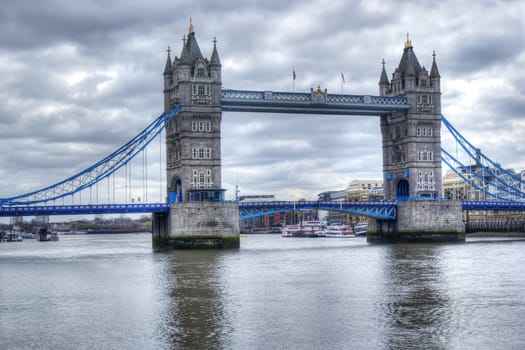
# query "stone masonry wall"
(204, 219)
(430, 216)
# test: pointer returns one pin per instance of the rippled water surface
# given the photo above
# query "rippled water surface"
(113, 292)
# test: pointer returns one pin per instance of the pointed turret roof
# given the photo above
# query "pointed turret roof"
(184, 55)
(215, 61)
(190, 48)
(434, 72)
(168, 68)
(409, 65)
(384, 78)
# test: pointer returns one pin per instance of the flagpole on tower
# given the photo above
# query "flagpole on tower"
(342, 80)
(293, 79)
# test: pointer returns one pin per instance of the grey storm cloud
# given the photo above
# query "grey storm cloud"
(79, 79)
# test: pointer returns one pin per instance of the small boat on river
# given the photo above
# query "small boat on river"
(360, 229)
(339, 231)
(310, 229)
(13, 237)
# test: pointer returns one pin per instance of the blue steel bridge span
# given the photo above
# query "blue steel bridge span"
(379, 210)
(384, 210)
(315, 102)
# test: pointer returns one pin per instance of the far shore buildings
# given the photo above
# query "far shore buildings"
(456, 187)
(357, 191)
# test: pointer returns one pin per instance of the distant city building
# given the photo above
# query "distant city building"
(454, 187)
(266, 221)
(326, 196)
(16, 220)
(357, 191)
(479, 182)
(333, 216)
(42, 220)
(256, 198)
(365, 190)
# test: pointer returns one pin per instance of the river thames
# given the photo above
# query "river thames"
(113, 292)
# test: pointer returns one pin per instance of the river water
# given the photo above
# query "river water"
(113, 292)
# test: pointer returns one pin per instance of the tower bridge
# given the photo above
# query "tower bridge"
(196, 215)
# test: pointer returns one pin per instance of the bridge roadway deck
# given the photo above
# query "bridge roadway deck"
(384, 210)
(84, 209)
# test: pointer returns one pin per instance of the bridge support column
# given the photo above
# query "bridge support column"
(201, 225)
(421, 221)
(160, 226)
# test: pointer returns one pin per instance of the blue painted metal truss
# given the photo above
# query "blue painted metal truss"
(97, 172)
(378, 210)
(314, 102)
(482, 173)
(36, 210)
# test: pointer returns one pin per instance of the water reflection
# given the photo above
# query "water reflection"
(416, 308)
(194, 315)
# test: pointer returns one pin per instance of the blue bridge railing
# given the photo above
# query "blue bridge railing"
(36, 210)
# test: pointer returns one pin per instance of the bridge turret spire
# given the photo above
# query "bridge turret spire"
(434, 72)
(190, 50)
(384, 83)
(190, 28)
(408, 43)
(215, 61)
(168, 68)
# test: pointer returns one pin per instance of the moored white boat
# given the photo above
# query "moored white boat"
(53, 236)
(360, 229)
(290, 231)
(339, 231)
(13, 237)
(311, 228)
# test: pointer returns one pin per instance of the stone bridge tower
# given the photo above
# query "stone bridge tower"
(411, 143)
(199, 217)
(411, 139)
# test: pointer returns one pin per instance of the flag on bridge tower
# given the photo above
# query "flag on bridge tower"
(342, 80)
(293, 79)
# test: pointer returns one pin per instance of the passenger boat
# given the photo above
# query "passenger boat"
(311, 229)
(339, 231)
(44, 235)
(290, 231)
(13, 237)
(360, 229)
(53, 236)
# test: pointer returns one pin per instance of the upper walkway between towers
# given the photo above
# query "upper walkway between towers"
(314, 102)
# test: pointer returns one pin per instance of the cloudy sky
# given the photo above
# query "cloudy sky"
(80, 78)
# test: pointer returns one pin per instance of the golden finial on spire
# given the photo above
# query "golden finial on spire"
(190, 29)
(408, 43)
